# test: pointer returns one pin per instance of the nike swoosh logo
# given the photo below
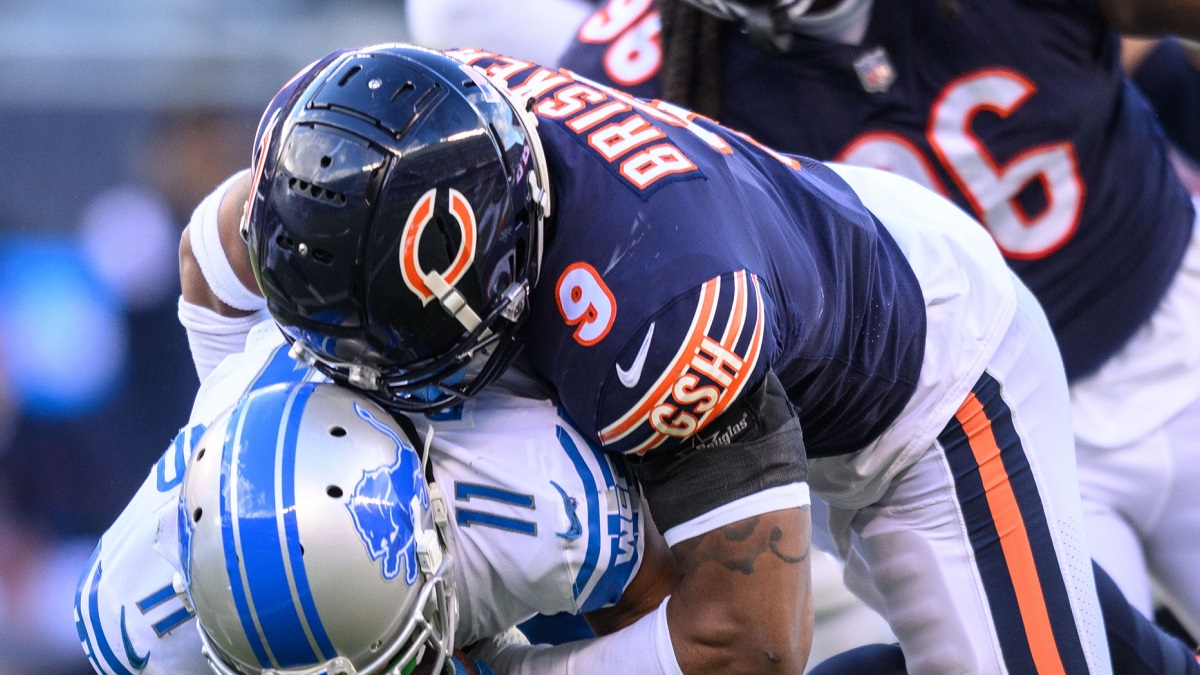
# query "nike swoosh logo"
(576, 528)
(630, 376)
(136, 662)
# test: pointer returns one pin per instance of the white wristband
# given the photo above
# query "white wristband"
(205, 234)
(794, 495)
(212, 337)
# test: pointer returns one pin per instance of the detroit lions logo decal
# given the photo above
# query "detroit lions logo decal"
(383, 506)
(187, 532)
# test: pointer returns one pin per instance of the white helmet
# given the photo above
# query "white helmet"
(308, 541)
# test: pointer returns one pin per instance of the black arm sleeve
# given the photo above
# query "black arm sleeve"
(754, 446)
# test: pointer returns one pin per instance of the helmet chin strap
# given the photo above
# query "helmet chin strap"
(437, 507)
(453, 301)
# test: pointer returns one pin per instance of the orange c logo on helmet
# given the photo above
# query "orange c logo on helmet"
(420, 281)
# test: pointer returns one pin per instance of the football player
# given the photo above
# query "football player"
(1021, 113)
(712, 309)
(534, 520)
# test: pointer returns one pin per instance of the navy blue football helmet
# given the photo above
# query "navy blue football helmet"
(395, 223)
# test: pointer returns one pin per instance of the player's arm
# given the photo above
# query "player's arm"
(734, 595)
(129, 616)
(220, 301)
(1153, 17)
(229, 199)
(744, 603)
(736, 516)
(656, 578)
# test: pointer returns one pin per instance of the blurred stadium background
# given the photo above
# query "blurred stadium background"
(116, 118)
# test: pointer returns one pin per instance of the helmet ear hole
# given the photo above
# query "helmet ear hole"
(337, 432)
(196, 514)
(334, 491)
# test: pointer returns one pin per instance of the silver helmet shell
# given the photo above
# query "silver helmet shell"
(308, 539)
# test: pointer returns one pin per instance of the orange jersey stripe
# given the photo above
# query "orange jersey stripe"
(700, 323)
(752, 350)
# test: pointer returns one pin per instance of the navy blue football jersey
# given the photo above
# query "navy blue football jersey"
(687, 261)
(1017, 110)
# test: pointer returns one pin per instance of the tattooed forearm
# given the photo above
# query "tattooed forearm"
(777, 542)
(739, 545)
(743, 600)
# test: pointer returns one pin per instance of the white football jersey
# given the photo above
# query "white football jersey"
(541, 522)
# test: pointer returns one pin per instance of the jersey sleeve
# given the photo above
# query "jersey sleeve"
(691, 399)
(128, 613)
(684, 370)
(542, 521)
(264, 362)
(130, 617)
